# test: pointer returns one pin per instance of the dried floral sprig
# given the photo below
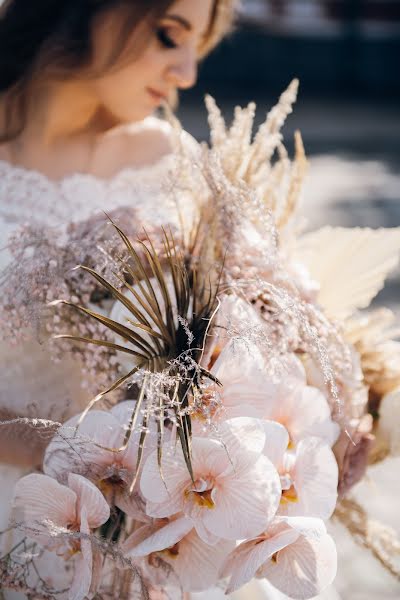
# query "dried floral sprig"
(380, 539)
(42, 268)
(374, 337)
(156, 340)
(27, 556)
(276, 185)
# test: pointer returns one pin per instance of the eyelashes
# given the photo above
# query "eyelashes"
(165, 40)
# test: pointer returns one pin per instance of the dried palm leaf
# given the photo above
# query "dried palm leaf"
(165, 333)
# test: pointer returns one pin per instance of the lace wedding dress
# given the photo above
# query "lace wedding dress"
(31, 384)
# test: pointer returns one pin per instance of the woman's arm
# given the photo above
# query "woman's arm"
(21, 444)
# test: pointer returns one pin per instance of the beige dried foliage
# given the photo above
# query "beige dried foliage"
(298, 173)
(373, 336)
(380, 539)
(260, 163)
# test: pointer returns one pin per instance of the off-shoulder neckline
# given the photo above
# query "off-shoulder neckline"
(82, 176)
(127, 170)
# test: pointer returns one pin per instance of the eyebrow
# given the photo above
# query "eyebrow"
(181, 20)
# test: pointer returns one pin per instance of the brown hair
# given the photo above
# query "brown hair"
(50, 39)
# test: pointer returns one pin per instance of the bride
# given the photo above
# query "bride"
(79, 82)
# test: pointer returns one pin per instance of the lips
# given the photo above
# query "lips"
(156, 95)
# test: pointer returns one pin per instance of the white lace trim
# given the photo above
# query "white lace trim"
(28, 194)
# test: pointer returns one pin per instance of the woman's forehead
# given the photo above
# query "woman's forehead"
(192, 14)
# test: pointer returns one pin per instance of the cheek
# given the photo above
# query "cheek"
(123, 92)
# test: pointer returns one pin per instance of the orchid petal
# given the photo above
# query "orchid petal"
(122, 411)
(276, 441)
(294, 368)
(210, 456)
(244, 378)
(244, 440)
(205, 534)
(308, 526)
(246, 503)
(161, 510)
(42, 498)
(132, 505)
(207, 456)
(312, 416)
(174, 472)
(85, 448)
(233, 361)
(304, 568)
(197, 564)
(163, 538)
(90, 499)
(137, 537)
(84, 561)
(315, 478)
(246, 560)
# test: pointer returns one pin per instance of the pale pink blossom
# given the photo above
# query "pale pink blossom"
(309, 480)
(50, 509)
(276, 442)
(243, 392)
(92, 450)
(237, 323)
(249, 388)
(303, 410)
(309, 473)
(235, 492)
(296, 555)
(175, 541)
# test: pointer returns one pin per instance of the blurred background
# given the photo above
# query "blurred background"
(346, 54)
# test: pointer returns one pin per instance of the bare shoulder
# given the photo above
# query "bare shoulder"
(135, 145)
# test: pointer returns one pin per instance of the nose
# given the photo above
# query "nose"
(183, 73)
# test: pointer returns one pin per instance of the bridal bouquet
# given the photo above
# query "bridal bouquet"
(244, 387)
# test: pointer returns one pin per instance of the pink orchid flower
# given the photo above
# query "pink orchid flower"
(244, 380)
(235, 491)
(309, 480)
(49, 508)
(296, 555)
(303, 410)
(236, 322)
(309, 474)
(175, 542)
(92, 451)
(249, 389)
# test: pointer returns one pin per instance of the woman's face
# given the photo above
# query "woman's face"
(168, 62)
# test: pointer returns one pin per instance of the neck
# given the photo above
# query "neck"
(63, 124)
(62, 112)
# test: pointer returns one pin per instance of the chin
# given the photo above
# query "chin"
(112, 115)
(138, 114)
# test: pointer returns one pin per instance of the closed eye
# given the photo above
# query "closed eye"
(165, 40)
